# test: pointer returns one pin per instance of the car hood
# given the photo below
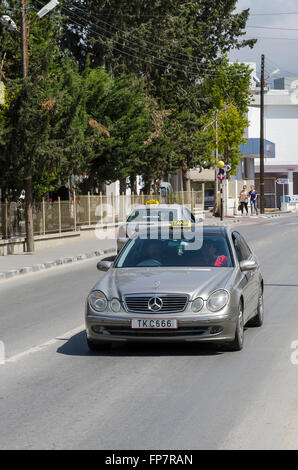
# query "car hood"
(192, 281)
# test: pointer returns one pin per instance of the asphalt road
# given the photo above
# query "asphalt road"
(54, 394)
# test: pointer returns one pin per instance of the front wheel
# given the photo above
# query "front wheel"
(237, 343)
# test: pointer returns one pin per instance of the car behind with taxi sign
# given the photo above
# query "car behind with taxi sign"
(152, 214)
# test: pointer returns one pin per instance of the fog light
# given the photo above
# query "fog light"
(98, 329)
(215, 329)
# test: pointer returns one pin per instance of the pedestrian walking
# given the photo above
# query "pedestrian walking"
(243, 200)
(253, 200)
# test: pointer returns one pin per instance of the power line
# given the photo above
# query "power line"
(208, 72)
(169, 66)
(88, 23)
(274, 14)
(282, 70)
(278, 39)
(272, 28)
(125, 32)
(189, 62)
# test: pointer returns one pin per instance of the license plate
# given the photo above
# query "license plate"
(158, 323)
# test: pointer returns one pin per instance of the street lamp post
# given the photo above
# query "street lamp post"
(28, 179)
(10, 24)
(25, 66)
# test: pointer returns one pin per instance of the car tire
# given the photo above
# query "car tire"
(98, 345)
(237, 343)
(258, 319)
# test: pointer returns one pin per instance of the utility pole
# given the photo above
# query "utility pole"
(28, 178)
(215, 208)
(262, 183)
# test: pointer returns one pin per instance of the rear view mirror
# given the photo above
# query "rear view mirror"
(248, 265)
(104, 265)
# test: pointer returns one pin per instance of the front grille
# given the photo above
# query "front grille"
(169, 303)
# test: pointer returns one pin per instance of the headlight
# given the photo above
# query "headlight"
(98, 301)
(217, 300)
(115, 305)
(197, 304)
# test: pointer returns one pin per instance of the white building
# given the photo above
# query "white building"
(281, 134)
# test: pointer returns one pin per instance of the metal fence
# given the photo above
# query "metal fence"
(64, 216)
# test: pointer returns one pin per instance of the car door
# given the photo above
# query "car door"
(248, 285)
(254, 277)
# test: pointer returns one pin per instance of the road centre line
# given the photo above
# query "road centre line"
(66, 336)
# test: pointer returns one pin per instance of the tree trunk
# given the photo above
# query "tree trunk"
(4, 215)
(29, 214)
(133, 183)
(147, 187)
(102, 187)
(186, 180)
(122, 186)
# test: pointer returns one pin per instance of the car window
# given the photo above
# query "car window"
(212, 252)
(245, 246)
(241, 248)
(152, 215)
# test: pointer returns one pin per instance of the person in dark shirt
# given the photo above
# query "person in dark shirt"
(253, 200)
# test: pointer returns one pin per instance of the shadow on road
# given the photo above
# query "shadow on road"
(77, 346)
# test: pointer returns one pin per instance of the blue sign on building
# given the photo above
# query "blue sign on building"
(252, 148)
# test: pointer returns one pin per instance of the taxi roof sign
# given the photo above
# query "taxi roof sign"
(152, 202)
(181, 224)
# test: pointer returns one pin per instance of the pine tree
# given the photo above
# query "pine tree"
(174, 45)
(44, 123)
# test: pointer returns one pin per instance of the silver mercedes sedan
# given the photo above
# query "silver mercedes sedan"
(200, 284)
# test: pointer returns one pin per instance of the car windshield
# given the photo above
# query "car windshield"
(153, 215)
(212, 251)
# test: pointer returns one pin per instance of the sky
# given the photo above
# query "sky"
(281, 49)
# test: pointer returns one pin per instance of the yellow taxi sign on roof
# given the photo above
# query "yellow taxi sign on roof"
(181, 224)
(152, 202)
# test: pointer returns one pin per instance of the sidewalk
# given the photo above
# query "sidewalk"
(78, 250)
(244, 219)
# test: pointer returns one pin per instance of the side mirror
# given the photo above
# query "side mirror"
(104, 265)
(248, 265)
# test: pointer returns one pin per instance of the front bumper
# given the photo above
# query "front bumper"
(111, 327)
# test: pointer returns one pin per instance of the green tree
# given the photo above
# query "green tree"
(175, 46)
(44, 124)
(228, 98)
(153, 37)
(47, 123)
(121, 125)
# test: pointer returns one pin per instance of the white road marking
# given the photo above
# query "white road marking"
(52, 269)
(40, 347)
